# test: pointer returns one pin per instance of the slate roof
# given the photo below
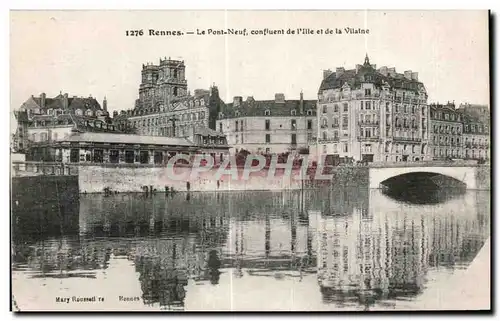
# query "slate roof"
(129, 139)
(205, 131)
(58, 103)
(366, 73)
(251, 108)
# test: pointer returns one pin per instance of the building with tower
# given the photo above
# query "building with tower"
(165, 107)
(369, 114)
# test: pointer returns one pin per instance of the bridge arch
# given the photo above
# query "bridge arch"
(466, 175)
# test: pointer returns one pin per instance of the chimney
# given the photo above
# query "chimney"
(115, 114)
(105, 104)
(42, 100)
(65, 101)
(392, 71)
(122, 112)
(374, 66)
(250, 99)
(357, 68)
(383, 70)
(339, 71)
(301, 107)
(279, 98)
(237, 100)
(129, 112)
(326, 73)
(414, 76)
(407, 74)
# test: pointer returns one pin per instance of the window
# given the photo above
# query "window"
(158, 157)
(361, 102)
(43, 137)
(241, 125)
(267, 112)
(325, 136)
(387, 108)
(324, 123)
(78, 112)
(268, 138)
(236, 126)
(268, 124)
(294, 139)
(346, 148)
(335, 108)
(89, 112)
(345, 122)
(98, 156)
(324, 109)
(335, 150)
(114, 156)
(54, 136)
(74, 155)
(220, 127)
(345, 107)
(336, 134)
(309, 112)
(294, 112)
(144, 157)
(368, 105)
(294, 124)
(368, 92)
(309, 124)
(324, 149)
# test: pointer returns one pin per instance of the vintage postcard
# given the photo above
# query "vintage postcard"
(250, 160)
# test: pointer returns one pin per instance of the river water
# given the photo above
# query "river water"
(349, 249)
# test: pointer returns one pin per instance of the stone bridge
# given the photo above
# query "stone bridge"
(474, 176)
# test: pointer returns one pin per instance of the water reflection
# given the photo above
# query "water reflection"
(350, 248)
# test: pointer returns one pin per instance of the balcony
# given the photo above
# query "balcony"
(368, 122)
(407, 139)
(369, 139)
(335, 125)
(328, 140)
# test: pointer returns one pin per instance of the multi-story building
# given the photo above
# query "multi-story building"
(268, 126)
(370, 114)
(446, 131)
(165, 107)
(44, 120)
(476, 138)
(481, 112)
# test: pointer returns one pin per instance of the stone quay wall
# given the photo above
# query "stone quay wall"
(125, 179)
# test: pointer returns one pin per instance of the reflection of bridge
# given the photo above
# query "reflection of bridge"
(471, 175)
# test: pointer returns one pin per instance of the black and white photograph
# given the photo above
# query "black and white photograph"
(250, 160)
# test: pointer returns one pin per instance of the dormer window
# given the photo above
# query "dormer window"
(294, 112)
(50, 111)
(78, 112)
(309, 113)
(267, 112)
(237, 114)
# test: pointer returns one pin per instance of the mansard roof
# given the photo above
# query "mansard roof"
(367, 73)
(58, 103)
(252, 108)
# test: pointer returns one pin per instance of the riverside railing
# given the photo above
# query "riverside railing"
(28, 168)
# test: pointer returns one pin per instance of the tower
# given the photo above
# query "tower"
(105, 104)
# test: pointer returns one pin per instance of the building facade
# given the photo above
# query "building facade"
(446, 131)
(165, 107)
(41, 119)
(103, 148)
(370, 114)
(476, 139)
(268, 126)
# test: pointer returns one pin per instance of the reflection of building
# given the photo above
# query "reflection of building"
(165, 107)
(372, 114)
(363, 258)
(268, 126)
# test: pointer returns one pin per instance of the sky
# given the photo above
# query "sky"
(85, 53)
